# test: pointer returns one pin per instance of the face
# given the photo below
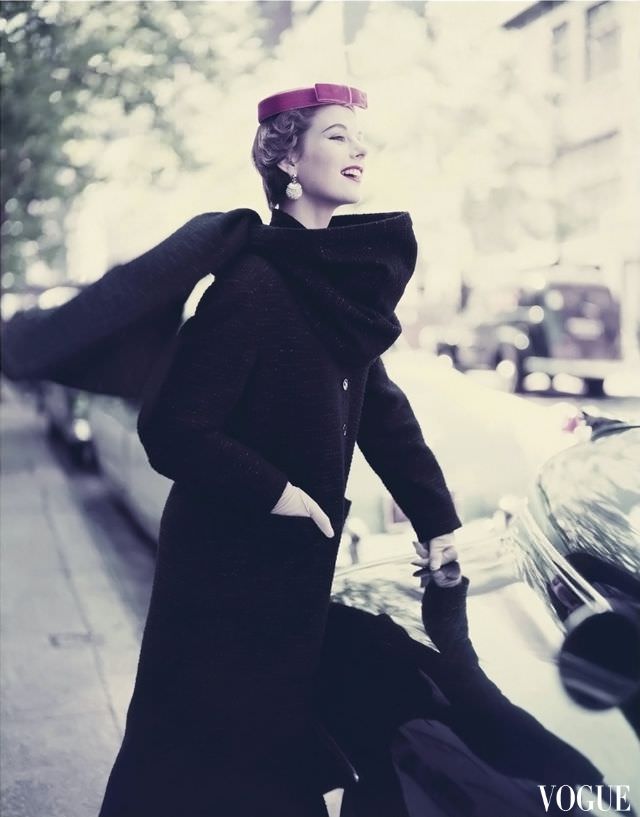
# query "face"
(332, 144)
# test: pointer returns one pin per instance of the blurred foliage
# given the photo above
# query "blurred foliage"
(469, 148)
(76, 77)
(135, 94)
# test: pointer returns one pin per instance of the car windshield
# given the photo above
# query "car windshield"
(591, 494)
(578, 319)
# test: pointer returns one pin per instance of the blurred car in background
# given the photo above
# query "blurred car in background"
(123, 461)
(547, 325)
(67, 413)
(33, 297)
(65, 409)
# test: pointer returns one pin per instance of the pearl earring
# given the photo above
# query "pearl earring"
(294, 188)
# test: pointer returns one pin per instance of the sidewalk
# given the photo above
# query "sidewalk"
(69, 638)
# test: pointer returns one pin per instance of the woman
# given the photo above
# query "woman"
(272, 383)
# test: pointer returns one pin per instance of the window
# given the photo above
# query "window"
(560, 50)
(603, 39)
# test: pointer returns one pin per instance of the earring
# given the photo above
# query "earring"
(294, 188)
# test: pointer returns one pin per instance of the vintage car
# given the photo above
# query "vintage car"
(554, 597)
(578, 542)
(556, 323)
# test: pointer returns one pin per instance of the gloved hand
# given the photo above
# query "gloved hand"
(296, 502)
(439, 551)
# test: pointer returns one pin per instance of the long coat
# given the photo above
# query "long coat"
(274, 379)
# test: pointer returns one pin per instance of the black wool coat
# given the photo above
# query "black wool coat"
(275, 378)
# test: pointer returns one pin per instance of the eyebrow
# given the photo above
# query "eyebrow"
(340, 125)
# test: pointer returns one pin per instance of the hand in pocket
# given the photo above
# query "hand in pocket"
(296, 502)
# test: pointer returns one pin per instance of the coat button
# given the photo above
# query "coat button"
(344, 429)
(345, 384)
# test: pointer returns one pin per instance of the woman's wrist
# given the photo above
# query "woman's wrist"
(288, 498)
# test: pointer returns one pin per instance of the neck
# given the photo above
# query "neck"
(313, 215)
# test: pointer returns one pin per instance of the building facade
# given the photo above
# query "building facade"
(592, 52)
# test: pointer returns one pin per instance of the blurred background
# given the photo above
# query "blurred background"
(510, 132)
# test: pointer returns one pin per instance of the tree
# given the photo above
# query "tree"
(77, 76)
(460, 129)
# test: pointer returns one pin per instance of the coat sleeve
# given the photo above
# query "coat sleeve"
(182, 421)
(391, 440)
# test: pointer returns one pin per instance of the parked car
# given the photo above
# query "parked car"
(123, 461)
(569, 618)
(66, 409)
(578, 546)
(575, 535)
(67, 412)
(555, 321)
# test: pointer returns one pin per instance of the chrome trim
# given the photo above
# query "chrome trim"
(576, 583)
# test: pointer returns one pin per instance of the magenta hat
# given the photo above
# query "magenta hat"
(322, 93)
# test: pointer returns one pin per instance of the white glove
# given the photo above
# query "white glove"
(295, 502)
(439, 551)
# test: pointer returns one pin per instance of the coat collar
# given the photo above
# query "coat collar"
(281, 219)
(347, 277)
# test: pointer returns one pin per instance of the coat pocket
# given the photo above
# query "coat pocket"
(291, 529)
(303, 529)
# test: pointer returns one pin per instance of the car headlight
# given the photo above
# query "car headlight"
(81, 429)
